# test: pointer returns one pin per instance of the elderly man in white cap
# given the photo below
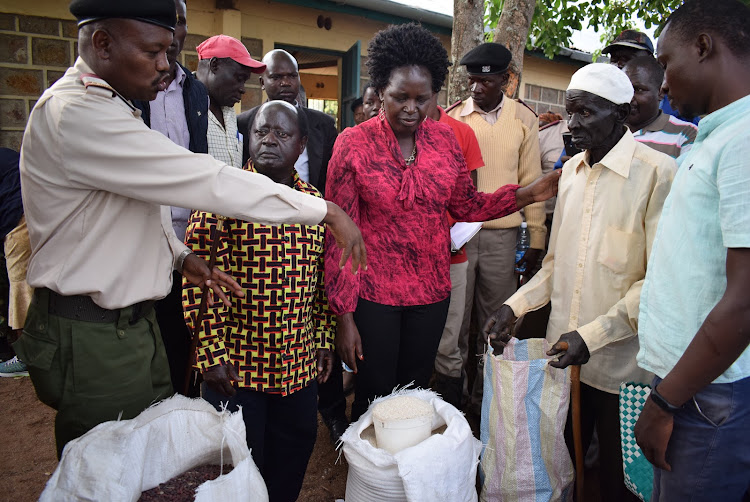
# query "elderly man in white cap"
(608, 205)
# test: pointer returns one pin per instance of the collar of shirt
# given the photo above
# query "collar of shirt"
(179, 79)
(471, 107)
(226, 112)
(413, 184)
(617, 159)
(297, 183)
(657, 124)
(732, 111)
(84, 70)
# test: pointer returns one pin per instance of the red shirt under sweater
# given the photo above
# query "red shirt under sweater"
(400, 211)
(467, 140)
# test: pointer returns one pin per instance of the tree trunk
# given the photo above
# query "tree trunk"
(468, 32)
(512, 31)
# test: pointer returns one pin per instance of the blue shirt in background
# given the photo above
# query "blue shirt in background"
(707, 212)
(666, 107)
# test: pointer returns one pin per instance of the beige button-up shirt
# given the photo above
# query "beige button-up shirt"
(602, 232)
(97, 184)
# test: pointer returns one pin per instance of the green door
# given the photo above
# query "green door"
(350, 74)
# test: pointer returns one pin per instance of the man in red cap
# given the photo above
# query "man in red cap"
(224, 67)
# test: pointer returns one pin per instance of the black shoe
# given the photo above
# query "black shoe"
(336, 429)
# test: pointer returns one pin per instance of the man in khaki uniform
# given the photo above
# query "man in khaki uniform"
(508, 135)
(97, 183)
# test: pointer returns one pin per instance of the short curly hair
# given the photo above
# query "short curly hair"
(406, 45)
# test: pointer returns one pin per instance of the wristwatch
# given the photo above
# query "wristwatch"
(181, 259)
(663, 403)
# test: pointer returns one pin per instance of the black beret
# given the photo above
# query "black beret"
(159, 12)
(487, 59)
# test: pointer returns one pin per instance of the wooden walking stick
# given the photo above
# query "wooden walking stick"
(575, 394)
(203, 306)
(575, 403)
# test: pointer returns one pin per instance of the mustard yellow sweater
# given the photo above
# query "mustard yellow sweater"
(510, 149)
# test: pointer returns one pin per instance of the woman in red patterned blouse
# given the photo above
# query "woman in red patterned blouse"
(396, 175)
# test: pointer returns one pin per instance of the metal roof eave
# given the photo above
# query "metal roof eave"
(384, 11)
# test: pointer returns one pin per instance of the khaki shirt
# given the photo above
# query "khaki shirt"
(602, 232)
(97, 184)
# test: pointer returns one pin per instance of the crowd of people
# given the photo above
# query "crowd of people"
(305, 262)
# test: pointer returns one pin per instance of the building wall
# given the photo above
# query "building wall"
(543, 83)
(34, 53)
(38, 42)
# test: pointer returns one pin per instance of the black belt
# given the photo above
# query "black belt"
(83, 308)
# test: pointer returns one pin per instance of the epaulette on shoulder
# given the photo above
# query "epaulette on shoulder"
(451, 107)
(90, 81)
(545, 126)
(527, 106)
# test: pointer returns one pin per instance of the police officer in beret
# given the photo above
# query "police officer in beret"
(97, 185)
(508, 135)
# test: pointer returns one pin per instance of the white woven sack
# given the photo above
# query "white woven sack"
(442, 468)
(117, 461)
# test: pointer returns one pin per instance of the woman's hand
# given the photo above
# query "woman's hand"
(348, 342)
(541, 189)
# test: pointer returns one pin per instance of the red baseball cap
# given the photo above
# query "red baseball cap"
(223, 46)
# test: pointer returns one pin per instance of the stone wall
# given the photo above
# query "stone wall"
(545, 99)
(36, 51)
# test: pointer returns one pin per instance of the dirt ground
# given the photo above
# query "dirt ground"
(27, 450)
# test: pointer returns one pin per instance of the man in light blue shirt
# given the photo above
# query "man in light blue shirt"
(694, 324)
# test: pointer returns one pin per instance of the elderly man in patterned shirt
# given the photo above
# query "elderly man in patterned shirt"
(268, 351)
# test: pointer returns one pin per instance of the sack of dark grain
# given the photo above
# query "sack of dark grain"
(182, 488)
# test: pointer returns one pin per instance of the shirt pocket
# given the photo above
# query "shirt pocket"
(616, 248)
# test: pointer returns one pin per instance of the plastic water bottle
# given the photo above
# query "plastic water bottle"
(521, 246)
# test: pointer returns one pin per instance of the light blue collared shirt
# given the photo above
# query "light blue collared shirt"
(706, 212)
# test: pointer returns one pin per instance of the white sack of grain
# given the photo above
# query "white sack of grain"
(442, 468)
(117, 461)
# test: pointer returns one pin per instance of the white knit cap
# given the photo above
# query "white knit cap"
(605, 80)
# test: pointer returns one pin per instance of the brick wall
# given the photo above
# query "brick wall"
(544, 99)
(36, 51)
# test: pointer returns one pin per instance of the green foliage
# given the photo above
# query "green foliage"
(555, 21)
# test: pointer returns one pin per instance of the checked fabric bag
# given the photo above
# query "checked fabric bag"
(639, 474)
(524, 410)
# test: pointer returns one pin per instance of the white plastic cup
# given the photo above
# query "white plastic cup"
(394, 435)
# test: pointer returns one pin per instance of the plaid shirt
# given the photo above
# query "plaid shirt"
(271, 335)
(224, 144)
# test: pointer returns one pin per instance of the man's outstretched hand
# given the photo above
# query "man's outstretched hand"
(576, 351)
(348, 237)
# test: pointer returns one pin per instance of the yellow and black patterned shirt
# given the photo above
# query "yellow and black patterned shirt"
(271, 335)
